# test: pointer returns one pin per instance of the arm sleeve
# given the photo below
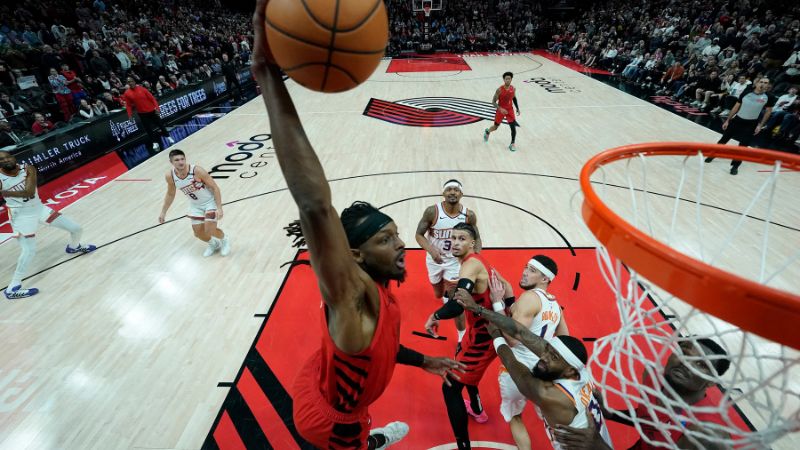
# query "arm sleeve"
(516, 105)
(450, 310)
(410, 357)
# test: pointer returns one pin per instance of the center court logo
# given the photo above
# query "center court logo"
(430, 111)
(240, 162)
(552, 85)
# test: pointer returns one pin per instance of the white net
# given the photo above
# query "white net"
(650, 370)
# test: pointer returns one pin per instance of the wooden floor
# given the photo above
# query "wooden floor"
(124, 348)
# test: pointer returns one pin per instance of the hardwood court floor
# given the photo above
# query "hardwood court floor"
(124, 348)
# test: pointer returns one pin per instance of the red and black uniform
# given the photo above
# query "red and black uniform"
(505, 101)
(333, 389)
(477, 351)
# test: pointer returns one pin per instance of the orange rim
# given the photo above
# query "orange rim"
(762, 310)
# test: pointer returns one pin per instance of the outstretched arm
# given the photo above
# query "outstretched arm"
(506, 324)
(336, 270)
(435, 365)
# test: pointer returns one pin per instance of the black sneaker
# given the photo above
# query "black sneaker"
(709, 159)
(734, 170)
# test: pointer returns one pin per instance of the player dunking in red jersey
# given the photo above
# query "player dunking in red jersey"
(354, 258)
(477, 352)
(504, 96)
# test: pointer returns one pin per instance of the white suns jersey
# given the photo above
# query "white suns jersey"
(17, 183)
(544, 325)
(195, 189)
(442, 227)
(580, 392)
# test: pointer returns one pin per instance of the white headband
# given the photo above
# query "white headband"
(454, 184)
(541, 268)
(569, 357)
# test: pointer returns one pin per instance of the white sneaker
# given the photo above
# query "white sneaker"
(394, 432)
(210, 249)
(225, 249)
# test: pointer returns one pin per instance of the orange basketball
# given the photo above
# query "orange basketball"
(327, 45)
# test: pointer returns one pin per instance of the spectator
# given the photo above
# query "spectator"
(63, 95)
(41, 125)
(99, 108)
(85, 110)
(74, 84)
(142, 101)
(781, 109)
(8, 136)
(231, 79)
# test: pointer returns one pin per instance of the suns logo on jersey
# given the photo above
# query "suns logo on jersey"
(442, 234)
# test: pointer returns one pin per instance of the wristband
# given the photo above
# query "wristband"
(498, 341)
(436, 316)
(498, 307)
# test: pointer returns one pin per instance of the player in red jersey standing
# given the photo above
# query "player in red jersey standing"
(477, 352)
(504, 96)
(354, 258)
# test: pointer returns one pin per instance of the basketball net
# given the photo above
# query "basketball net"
(763, 379)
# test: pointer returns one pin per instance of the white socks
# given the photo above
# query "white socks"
(68, 225)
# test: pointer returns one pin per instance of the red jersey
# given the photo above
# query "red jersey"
(351, 382)
(506, 97)
(333, 389)
(476, 348)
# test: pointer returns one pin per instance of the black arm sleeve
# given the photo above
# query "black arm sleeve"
(410, 357)
(516, 105)
(450, 310)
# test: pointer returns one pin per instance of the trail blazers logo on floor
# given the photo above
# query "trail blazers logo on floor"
(430, 111)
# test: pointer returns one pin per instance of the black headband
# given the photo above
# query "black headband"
(371, 224)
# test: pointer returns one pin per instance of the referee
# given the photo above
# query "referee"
(742, 123)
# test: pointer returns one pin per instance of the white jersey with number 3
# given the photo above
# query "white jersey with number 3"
(17, 183)
(195, 189)
(442, 227)
(580, 392)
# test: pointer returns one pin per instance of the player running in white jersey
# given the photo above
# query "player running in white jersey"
(205, 202)
(433, 235)
(559, 385)
(18, 188)
(539, 311)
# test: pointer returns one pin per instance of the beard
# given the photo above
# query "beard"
(383, 273)
(543, 375)
(526, 287)
(9, 166)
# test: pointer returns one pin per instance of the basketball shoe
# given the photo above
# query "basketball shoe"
(81, 248)
(16, 292)
(212, 247)
(225, 248)
(480, 418)
(393, 432)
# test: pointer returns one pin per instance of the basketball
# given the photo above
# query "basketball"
(327, 45)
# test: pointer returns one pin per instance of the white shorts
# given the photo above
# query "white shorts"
(203, 212)
(447, 270)
(25, 221)
(512, 402)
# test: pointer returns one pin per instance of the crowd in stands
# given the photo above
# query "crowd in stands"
(80, 52)
(703, 53)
